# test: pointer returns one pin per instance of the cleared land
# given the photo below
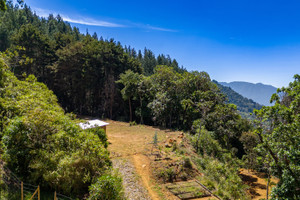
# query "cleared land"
(134, 143)
(132, 152)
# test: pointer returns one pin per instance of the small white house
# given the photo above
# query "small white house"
(94, 123)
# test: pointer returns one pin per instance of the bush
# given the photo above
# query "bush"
(183, 176)
(133, 123)
(204, 143)
(107, 187)
(101, 134)
(168, 175)
(187, 163)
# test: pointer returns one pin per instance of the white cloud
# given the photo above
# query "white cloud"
(42, 12)
(77, 20)
(93, 22)
(160, 29)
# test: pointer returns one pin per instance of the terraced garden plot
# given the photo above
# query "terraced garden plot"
(187, 190)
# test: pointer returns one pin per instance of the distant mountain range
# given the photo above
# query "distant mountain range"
(244, 105)
(258, 92)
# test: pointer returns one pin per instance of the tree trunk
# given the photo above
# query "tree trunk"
(141, 103)
(267, 196)
(271, 153)
(170, 120)
(198, 140)
(130, 111)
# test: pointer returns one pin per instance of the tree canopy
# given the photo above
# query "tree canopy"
(279, 138)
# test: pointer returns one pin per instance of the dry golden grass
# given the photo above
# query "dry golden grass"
(129, 140)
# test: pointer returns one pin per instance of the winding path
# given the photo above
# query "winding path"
(132, 144)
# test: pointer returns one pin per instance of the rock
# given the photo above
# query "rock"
(168, 145)
(181, 135)
(171, 141)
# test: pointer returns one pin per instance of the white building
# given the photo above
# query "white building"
(94, 123)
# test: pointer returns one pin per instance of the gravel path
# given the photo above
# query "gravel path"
(132, 186)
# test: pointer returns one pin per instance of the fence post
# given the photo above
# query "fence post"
(22, 190)
(39, 196)
(55, 195)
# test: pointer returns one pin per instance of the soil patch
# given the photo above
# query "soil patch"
(142, 165)
(257, 182)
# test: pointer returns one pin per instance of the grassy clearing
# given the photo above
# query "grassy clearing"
(128, 140)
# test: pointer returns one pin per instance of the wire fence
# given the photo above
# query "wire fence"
(14, 184)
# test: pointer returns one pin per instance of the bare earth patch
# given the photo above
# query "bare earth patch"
(133, 144)
(257, 182)
(142, 164)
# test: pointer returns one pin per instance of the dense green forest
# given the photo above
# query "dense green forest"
(43, 145)
(101, 78)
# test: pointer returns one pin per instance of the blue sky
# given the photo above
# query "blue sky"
(232, 40)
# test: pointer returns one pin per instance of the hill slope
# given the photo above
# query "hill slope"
(258, 92)
(141, 163)
(243, 104)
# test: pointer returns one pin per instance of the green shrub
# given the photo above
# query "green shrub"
(174, 146)
(107, 187)
(183, 176)
(101, 134)
(168, 175)
(155, 139)
(204, 143)
(132, 123)
(187, 163)
(209, 184)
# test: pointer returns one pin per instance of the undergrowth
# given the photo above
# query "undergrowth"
(219, 166)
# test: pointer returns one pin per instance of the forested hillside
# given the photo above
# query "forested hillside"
(258, 92)
(244, 105)
(87, 75)
(83, 71)
(80, 69)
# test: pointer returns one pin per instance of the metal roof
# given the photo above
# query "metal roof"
(92, 124)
